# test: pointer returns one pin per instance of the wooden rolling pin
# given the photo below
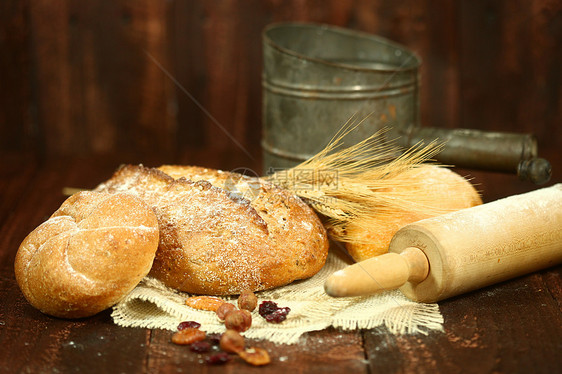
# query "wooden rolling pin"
(437, 258)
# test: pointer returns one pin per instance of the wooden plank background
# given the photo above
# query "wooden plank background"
(80, 78)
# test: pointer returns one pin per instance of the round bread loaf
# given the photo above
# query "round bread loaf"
(443, 191)
(221, 232)
(88, 255)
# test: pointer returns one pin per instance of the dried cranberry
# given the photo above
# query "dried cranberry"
(188, 325)
(267, 307)
(272, 313)
(200, 347)
(278, 316)
(218, 358)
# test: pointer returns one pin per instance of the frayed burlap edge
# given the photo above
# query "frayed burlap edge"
(153, 305)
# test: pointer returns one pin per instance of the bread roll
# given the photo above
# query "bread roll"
(445, 190)
(88, 255)
(217, 240)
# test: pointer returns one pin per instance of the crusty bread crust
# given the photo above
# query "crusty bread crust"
(217, 240)
(88, 255)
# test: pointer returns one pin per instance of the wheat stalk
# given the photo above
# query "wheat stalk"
(365, 184)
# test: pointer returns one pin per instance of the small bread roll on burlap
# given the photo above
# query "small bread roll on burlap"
(88, 255)
(443, 191)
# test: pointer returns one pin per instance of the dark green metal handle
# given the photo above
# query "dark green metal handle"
(483, 150)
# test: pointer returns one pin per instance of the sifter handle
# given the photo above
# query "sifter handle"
(483, 150)
(386, 272)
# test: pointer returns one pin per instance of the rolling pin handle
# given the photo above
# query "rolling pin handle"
(386, 272)
(417, 263)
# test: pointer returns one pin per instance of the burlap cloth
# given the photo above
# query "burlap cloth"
(153, 305)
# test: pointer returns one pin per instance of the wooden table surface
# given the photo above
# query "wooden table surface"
(513, 327)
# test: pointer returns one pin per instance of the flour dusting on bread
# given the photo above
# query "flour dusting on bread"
(221, 232)
(88, 255)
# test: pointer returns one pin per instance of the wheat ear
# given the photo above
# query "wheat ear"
(361, 182)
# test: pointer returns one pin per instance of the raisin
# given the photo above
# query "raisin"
(188, 325)
(255, 356)
(232, 341)
(188, 336)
